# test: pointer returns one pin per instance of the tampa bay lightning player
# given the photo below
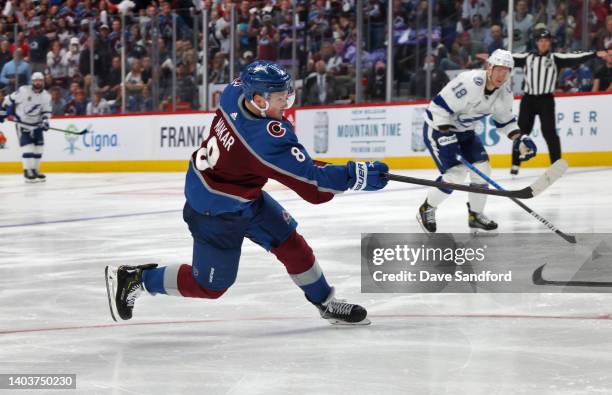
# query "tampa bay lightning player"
(249, 143)
(450, 120)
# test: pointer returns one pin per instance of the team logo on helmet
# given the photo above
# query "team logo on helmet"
(276, 129)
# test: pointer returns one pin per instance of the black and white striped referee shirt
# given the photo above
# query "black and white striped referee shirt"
(541, 71)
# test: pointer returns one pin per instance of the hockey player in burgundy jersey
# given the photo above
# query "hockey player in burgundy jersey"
(249, 143)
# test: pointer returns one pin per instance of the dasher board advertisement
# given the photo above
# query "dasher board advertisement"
(362, 132)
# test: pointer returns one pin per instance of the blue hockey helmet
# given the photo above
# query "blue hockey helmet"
(264, 77)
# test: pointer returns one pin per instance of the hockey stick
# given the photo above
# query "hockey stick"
(568, 238)
(552, 174)
(86, 130)
(538, 279)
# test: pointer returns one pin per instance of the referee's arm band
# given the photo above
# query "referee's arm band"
(573, 59)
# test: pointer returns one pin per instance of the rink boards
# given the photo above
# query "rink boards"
(164, 142)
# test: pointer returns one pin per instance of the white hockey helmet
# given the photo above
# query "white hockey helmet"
(501, 57)
(38, 76)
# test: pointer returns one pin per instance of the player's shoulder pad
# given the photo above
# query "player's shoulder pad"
(507, 90)
(19, 94)
(475, 78)
(270, 137)
(276, 135)
(265, 133)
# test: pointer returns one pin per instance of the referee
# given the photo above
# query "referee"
(541, 68)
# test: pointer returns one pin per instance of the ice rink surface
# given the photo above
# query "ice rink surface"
(262, 337)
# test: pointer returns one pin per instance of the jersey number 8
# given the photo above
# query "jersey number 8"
(299, 155)
(207, 157)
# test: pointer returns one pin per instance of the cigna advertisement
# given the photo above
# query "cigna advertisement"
(125, 138)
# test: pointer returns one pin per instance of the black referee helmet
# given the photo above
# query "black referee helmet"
(541, 33)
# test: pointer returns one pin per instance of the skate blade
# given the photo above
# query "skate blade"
(420, 221)
(477, 232)
(332, 321)
(111, 276)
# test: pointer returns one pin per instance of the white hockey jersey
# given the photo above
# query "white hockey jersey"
(30, 107)
(462, 103)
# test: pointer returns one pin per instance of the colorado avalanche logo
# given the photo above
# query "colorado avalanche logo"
(276, 129)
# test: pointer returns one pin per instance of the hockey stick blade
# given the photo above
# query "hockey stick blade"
(82, 132)
(552, 174)
(564, 236)
(568, 238)
(538, 279)
(544, 221)
(524, 193)
(87, 129)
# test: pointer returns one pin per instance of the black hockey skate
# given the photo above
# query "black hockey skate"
(39, 177)
(29, 176)
(480, 223)
(123, 286)
(427, 217)
(338, 312)
(514, 170)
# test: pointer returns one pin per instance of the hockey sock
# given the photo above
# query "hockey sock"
(318, 291)
(454, 175)
(153, 280)
(176, 280)
(436, 196)
(478, 200)
(27, 160)
(303, 268)
(37, 156)
(27, 157)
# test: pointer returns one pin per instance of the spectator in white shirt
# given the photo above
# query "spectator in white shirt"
(71, 58)
(57, 61)
(473, 7)
(99, 105)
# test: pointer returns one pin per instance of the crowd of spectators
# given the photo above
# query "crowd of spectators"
(58, 38)
(326, 45)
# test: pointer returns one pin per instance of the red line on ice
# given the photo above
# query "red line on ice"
(391, 316)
